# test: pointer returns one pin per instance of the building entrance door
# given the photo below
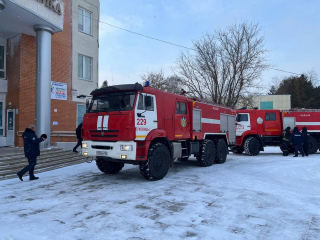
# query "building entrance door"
(10, 127)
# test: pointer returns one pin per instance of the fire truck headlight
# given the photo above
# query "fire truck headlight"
(84, 145)
(126, 147)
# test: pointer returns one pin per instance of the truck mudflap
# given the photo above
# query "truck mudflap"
(122, 150)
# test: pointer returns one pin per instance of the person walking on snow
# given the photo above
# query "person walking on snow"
(305, 137)
(31, 151)
(79, 137)
(297, 141)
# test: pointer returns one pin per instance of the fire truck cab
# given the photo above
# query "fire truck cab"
(151, 128)
(259, 128)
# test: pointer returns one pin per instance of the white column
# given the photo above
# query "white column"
(43, 82)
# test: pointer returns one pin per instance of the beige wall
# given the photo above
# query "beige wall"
(281, 102)
(87, 45)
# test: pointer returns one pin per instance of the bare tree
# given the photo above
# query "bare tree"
(174, 84)
(157, 80)
(225, 65)
(313, 77)
(274, 86)
(248, 101)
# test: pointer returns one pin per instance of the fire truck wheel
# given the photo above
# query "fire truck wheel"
(108, 167)
(221, 151)
(207, 154)
(313, 145)
(158, 163)
(252, 146)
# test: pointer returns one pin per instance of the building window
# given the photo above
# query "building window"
(84, 21)
(84, 67)
(2, 61)
(1, 119)
(81, 110)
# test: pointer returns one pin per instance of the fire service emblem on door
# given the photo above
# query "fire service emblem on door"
(183, 122)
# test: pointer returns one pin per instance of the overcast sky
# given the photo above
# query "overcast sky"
(291, 29)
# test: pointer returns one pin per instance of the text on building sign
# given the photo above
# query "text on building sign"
(52, 5)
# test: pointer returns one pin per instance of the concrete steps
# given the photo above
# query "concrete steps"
(49, 160)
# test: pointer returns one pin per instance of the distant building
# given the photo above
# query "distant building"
(281, 102)
(85, 54)
(48, 57)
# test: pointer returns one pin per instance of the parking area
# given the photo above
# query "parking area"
(262, 197)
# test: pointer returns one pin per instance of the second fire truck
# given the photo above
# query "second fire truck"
(150, 128)
(259, 128)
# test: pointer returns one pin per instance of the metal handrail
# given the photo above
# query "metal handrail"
(56, 134)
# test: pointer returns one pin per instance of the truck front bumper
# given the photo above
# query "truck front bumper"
(109, 149)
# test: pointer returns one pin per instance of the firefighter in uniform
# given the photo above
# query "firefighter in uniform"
(297, 141)
(285, 141)
(306, 137)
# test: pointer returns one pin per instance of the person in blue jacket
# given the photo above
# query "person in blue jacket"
(297, 141)
(31, 151)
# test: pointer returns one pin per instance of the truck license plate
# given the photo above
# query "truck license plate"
(101, 153)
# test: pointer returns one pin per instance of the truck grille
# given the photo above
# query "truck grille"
(103, 133)
(102, 147)
(105, 136)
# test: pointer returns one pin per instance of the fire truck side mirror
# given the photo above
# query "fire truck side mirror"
(148, 101)
(238, 118)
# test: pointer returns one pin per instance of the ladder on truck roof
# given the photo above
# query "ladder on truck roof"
(211, 103)
(301, 110)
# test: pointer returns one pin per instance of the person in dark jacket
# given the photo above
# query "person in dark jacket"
(285, 141)
(297, 141)
(31, 151)
(306, 139)
(79, 137)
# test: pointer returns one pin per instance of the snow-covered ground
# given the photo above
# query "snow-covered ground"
(262, 197)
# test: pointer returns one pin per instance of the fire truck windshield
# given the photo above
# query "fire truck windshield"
(115, 101)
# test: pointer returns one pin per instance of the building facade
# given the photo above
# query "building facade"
(281, 102)
(85, 42)
(39, 81)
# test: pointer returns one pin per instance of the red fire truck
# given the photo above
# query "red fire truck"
(259, 128)
(151, 128)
